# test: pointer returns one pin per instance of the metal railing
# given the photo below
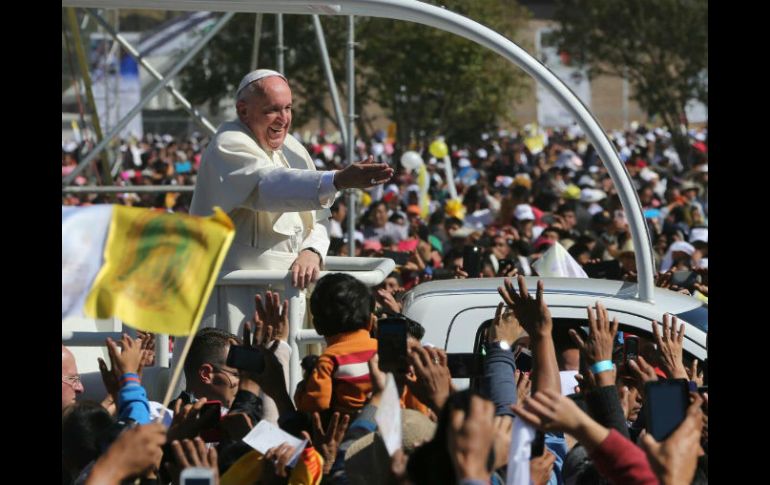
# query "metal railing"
(370, 271)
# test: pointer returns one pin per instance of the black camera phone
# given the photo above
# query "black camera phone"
(391, 344)
(245, 358)
(400, 258)
(631, 348)
(665, 406)
(472, 261)
(462, 365)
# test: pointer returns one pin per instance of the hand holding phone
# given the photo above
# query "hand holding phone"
(197, 476)
(249, 359)
(472, 261)
(208, 424)
(665, 405)
(391, 344)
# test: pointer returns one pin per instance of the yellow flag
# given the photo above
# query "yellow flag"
(159, 268)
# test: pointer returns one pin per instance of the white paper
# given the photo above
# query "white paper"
(157, 410)
(388, 416)
(519, 453)
(266, 435)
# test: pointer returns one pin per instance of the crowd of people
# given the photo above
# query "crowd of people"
(520, 195)
(448, 436)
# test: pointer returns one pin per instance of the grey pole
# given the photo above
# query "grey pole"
(158, 86)
(153, 72)
(279, 42)
(625, 98)
(319, 33)
(257, 39)
(351, 130)
(117, 189)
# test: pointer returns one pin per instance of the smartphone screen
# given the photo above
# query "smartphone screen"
(524, 360)
(391, 344)
(398, 257)
(631, 350)
(472, 261)
(665, 406)
(607, 270)
(245, 358)
(210, 415)
(463, 365)
(685, 279)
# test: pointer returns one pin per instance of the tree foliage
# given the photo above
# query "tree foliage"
(660, 45)
(428, 81)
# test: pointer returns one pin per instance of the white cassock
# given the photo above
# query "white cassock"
(278, 202)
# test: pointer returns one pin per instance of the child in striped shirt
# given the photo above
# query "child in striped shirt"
(342, 309)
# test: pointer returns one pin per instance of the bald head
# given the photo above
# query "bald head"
(70, 379)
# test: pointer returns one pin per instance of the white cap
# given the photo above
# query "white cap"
(464, 162)
(481, 153)
(682, 246)
(699, 234)
(587, 180)
(649, 136)
(591, 195)
(256, 76)
(524, 212)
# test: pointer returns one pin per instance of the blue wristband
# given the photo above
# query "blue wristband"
(602, 366)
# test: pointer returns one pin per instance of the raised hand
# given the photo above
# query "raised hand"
(434, 381)
(598, 346)
(328, 442)
(362, 175)
(523, 385)
(130, 359)
(270, 321)
(674, 460)
(133, 453)
(469, 439)
(644, 372)
(505, 327)
(193, 453)
(532, 313)
(540, 468)
(670, 345)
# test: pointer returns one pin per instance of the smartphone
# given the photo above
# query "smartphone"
(630, 348)
(524, 360)
(443, 274)
(197, 476)
(538, 445)
(463, 365)
(665, 406)
(506, 266)
(685, 279)
(210, 416)
(391, 344)
(399, 257)
(472, 261)
(236, 425)
(607, 270)
(245, 358)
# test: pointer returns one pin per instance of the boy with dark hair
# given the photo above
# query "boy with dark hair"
(342, 310)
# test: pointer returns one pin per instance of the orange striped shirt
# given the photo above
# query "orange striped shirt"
(340, 380)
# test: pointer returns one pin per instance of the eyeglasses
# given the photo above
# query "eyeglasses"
(72, 380)
(230, 372)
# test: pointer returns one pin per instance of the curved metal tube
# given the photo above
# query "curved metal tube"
(413, 11)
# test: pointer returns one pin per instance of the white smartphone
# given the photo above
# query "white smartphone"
(197, 476)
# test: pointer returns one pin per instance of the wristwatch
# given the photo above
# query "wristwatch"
(502, 344)
(320, 258)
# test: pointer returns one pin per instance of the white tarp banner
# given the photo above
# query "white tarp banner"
(550, 112)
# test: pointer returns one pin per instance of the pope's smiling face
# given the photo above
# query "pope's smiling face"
(267, 112)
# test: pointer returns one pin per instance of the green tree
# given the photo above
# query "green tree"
(661, 46)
